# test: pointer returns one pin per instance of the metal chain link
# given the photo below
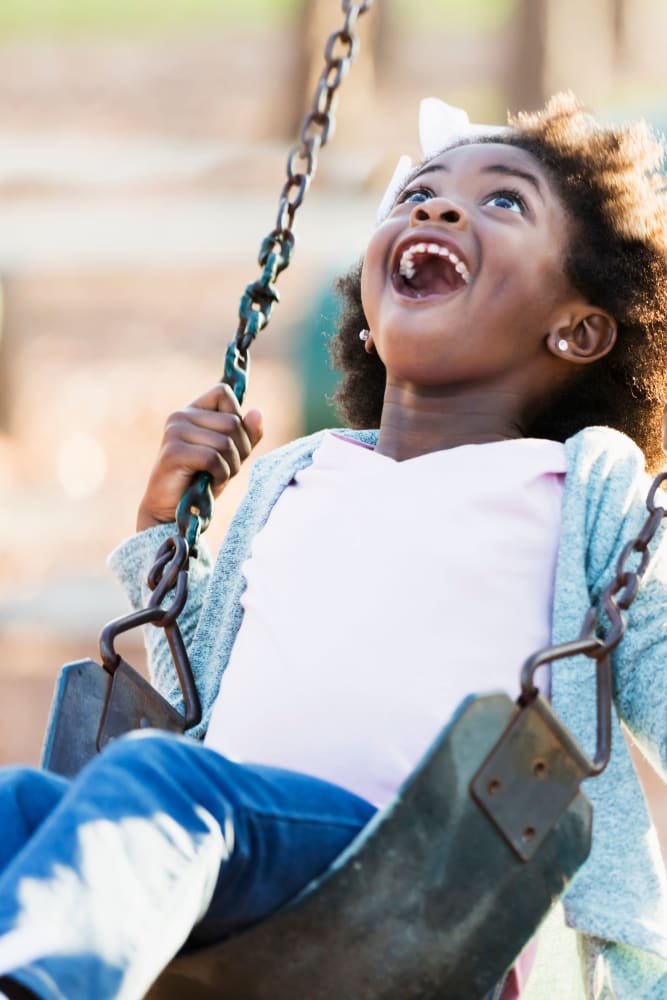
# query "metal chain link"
(275, 253)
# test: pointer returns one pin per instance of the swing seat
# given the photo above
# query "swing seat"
(431, 901)
(434, 899)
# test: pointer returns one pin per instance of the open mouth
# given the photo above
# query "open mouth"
(427, 269)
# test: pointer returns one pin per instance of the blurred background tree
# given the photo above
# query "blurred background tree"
(596, 48)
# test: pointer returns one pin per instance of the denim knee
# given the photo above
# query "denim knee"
(13, 778)
(27, 797)
(29, 791)
(150, 772)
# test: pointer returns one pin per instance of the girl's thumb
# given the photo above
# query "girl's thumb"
(254, 425)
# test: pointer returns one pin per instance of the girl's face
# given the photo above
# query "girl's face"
(464, 279)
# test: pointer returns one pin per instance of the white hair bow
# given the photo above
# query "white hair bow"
(440, 124)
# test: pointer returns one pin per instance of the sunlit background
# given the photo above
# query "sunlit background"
(142, 149)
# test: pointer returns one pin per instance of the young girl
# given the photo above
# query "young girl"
(506, 333)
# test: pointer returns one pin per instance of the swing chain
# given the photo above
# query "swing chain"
(621, 592)
(169, 573)
(195, 509)
(260, 296)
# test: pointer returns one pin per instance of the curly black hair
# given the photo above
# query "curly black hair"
(612, 183)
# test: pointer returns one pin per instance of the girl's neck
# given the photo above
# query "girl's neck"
(419, 420)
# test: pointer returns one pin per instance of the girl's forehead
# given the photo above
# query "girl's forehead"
(472, 158)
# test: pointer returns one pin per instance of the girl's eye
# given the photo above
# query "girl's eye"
(416, 195)
(511, 201)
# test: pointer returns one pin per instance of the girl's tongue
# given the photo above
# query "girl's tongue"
(434, 276)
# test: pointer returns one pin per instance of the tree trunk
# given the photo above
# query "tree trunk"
(5, 370)
(564, 45)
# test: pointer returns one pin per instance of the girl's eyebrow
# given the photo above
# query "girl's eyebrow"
(495, 168)
(502, 168)
(426, 169)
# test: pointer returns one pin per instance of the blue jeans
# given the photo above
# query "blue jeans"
(157, 842)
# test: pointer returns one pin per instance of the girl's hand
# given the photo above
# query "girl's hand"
(208, 436)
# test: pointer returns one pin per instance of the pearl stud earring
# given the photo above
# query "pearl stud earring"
(364, 335)
(562, 345)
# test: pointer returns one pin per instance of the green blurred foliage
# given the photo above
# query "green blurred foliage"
(38, 18)
(35, 18)
(456, 14)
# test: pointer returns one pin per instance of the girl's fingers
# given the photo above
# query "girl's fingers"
(220, 397)
(183, 451)
(200, 458)
(218, 410)
(216, 431)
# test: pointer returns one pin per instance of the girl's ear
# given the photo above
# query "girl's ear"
(583, 338)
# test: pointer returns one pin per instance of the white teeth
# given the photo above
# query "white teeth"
(407, 265)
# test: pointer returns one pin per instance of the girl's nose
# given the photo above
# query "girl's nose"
(439, 210)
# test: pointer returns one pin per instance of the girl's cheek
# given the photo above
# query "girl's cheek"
(365, 290)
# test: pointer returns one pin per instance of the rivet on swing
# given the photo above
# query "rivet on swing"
(494, 786)
(528, 834)
(539, 769)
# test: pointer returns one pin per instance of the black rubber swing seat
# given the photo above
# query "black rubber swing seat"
(434, 899)
(430, 901)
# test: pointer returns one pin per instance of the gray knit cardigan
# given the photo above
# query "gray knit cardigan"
(620, 894)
